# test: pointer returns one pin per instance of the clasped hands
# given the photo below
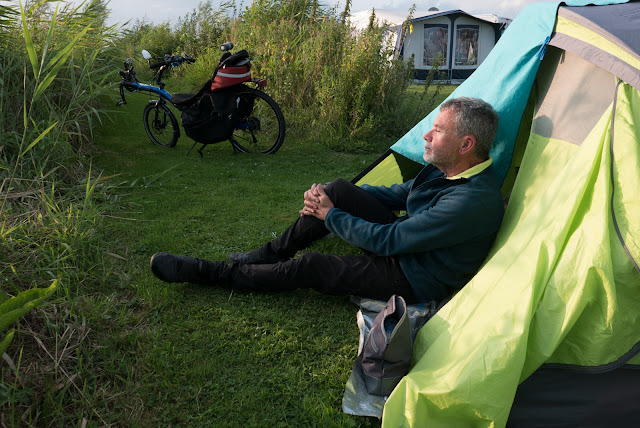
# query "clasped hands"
(316, 202)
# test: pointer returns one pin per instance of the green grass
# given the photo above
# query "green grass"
(159, 355)
(198, 356)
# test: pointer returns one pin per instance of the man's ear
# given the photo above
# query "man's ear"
(468, 144)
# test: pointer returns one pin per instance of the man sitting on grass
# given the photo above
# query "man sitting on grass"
(454, 209)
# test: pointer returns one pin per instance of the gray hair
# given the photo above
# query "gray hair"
(474, 117)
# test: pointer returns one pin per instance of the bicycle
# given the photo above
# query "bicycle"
(223, 109)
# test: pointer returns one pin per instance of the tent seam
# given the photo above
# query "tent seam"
(611, 151)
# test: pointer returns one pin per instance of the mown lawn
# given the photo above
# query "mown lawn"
(184, 355)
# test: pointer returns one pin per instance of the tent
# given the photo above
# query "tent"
(548, 330)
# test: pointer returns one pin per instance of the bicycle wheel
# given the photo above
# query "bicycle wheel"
(161, 125)
(262, 129)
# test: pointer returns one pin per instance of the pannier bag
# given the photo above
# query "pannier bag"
(233, 70)
(386, 355)
(213, 117)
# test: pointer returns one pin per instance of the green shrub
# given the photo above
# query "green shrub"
(335, 85)
(159, 39)
(201, 29)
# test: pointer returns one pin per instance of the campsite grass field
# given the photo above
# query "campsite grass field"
(185, 355)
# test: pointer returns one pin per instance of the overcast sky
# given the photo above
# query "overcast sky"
(158, 11)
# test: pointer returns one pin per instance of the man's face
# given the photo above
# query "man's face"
(441, 143)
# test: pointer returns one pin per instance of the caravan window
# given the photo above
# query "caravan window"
(436, 43)
(467, 44)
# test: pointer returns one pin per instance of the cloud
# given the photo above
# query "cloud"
(158, 11)
(506, 8)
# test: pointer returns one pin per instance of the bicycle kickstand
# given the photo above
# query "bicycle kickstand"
(194, 144)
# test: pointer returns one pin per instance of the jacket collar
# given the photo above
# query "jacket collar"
(473, 170)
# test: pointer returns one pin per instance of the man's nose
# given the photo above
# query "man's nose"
(427, 136)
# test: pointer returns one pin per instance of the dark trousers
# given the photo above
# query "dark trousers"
(368, 275)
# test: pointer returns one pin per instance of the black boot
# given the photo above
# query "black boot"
(170, 268)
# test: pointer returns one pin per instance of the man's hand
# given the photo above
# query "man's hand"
(316, 202)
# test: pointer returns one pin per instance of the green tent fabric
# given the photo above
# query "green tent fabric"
(561, 285)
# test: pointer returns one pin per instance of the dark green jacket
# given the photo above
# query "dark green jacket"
(445, 236)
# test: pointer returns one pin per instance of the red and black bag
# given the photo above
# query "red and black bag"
(210, 115)
(232, 70)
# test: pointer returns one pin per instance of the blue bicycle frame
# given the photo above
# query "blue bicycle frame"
(150, 88)
(130, 82)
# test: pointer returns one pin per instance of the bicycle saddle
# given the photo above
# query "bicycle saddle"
(185, 100)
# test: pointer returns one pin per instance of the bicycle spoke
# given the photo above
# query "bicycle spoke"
(262, 130)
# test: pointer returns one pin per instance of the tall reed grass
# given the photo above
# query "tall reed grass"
(54, 62)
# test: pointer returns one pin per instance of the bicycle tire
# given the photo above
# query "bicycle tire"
(161, 124)
(263, 129)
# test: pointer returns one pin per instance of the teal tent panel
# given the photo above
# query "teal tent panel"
(503, 80)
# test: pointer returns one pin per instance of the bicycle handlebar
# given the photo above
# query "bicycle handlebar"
(157, 65)
(170, 59)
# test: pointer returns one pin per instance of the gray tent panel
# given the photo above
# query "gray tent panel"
(568, 108)
(620, 23)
